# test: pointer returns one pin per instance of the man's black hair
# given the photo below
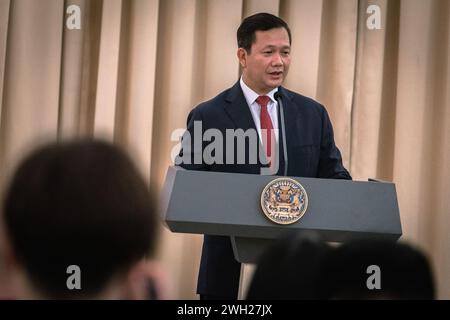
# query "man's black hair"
(246, 33)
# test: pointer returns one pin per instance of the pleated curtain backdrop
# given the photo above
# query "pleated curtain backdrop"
(136, 68)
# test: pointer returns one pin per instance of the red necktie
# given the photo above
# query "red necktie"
(266, 123)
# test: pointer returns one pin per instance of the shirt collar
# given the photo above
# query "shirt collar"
(251, 95)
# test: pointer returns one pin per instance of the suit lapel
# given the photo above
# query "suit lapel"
(238, 110)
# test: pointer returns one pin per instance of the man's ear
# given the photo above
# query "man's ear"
(242, 56)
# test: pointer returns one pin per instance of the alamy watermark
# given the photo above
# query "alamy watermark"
(73, 21)
(73, 281)
(373, 22)
(235, 147)
(374, 280)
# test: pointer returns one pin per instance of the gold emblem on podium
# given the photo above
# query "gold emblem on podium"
(284, 201)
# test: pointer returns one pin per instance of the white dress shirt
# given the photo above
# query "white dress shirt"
(255, 108)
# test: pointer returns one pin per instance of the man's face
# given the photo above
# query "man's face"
(267, 64)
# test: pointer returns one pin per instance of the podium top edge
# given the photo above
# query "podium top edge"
(369, 180)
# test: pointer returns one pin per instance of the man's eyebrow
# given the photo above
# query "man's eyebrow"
(270, 46)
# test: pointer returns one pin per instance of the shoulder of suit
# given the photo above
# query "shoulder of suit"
(302, 101)
(298, 100)
(213, 103)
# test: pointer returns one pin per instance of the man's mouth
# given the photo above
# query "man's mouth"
(276, 73)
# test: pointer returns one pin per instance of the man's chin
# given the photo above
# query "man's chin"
(274, 84)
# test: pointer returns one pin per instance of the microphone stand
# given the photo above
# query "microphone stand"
(283, 131)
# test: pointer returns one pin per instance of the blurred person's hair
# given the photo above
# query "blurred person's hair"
(289, 269)
(404, 271)
(78, 203)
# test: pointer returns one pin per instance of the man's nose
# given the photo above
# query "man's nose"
(277, 60)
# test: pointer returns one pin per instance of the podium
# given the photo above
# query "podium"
(228, 204)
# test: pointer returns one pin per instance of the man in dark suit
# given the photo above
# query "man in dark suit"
(249, 112)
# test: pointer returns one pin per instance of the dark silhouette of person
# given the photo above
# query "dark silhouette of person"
(299, 267)
(290, 269)
(377, 269)
(84, 204)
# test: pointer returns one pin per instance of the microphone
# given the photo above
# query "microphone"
(277, 97)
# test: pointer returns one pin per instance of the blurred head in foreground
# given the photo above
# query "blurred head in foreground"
(304, 267)
(79, 222)
(290, 269)
(377, 269)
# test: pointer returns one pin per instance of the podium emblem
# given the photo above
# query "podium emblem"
(284, 201)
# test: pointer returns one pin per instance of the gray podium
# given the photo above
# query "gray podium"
(228, 204)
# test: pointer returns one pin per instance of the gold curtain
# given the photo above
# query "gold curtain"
(135, 69)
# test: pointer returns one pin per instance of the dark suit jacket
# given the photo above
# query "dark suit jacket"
(311, 153)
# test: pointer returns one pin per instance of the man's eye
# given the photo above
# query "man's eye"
(267, 52)
(286, 53)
